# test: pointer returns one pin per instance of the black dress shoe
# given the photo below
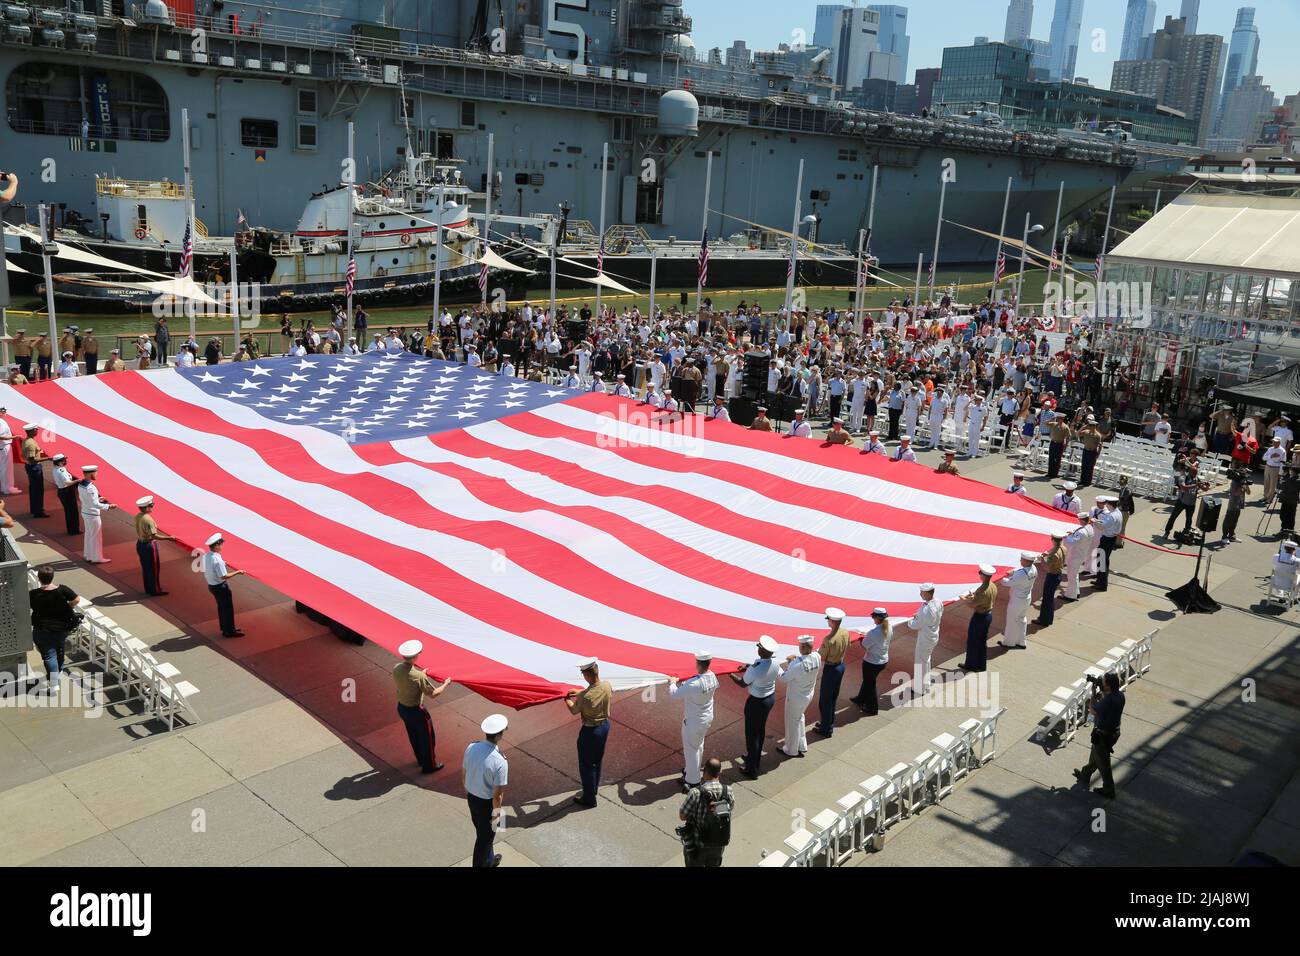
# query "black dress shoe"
(496, 860)
(234, 633)
(157, 593)
(436, 767)
(583, 803)
(817, 729)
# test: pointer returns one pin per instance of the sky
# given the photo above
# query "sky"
(935, 24)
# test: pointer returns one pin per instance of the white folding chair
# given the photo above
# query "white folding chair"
(833, 829)
(775, 858)
(946, 749)
(987, 738)
(876, 791)
(806, 848)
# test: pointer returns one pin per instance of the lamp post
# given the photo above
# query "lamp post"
(1024, 246)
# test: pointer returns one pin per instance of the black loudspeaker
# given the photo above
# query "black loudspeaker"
(754, 384)
(781, 407)
(577, 329)
(1208, 519)
(685, 299)
(743, 411)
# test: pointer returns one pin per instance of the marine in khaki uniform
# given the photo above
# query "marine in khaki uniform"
(33, 456)
(1058, 433)
(23, 353)
(761, 422)
(949, 466)
(147, 537)
(837, 435)
(1053, 567)
(834, 648)
(413, 686)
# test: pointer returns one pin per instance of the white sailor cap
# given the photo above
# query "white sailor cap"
(1017, 474)
(598, 374)
(1058, 535)
(587, 663)
(988, 570)
(494, 724)
(620, 375)
(768, 644)
(879, 612)
(837, 421)
(835, 613)
(1084, 516)
(1028, 556)
(144, 502)
(927, 586)
(1069, 485)
(59, 457)
(703, 656)
(86, 468)
(30, 428)
(215, 539)
(1289, 544)
(668, 391)
(410, 648)
(805, 639)
(903, 438)
(873, 434)
(1277, 439)
(67, 355)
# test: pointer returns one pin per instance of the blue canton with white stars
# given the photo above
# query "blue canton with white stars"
(374, 397)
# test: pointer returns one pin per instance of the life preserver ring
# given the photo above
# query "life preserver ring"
(140, 232)
(406, 238)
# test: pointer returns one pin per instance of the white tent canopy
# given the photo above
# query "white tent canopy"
(1229, 233)
(15, 267)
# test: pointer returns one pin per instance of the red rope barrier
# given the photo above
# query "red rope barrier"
(1156, 547)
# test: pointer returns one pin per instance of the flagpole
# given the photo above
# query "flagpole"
(189, 199)
(1105, 236)
(234, 292)
(864, 244)
(1002, 231)
(604, 185)
(704, 234)
(47, 239)
(857, 279)
(794, 242)
(1056, 224)
(349, 177)
(938, 229)
(1157, 204)
(487, 207)
(654, 265)
(1020, 282)
(916, 296)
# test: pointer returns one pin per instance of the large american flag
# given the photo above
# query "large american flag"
(516, 528)
(187, 252)
(704, 259)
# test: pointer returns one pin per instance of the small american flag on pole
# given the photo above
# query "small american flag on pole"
(1000, 269)
(239, 219)
(1101, 262)
(351, 280)
(704, 259)
(483, 272)
(187, 252)
(932, 261)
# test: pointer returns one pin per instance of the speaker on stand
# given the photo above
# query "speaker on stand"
(1192, 597)
(754, 382)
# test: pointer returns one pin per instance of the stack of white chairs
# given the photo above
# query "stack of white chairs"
(1066, 713)
(135, 669)
(835, 834)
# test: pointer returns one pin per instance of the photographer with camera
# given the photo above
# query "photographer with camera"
(1238, 489)
(706, 818)
(1106, 707)
(1187, 488)
(10, 190)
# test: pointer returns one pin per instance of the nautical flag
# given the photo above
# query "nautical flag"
(1000, 269)
(517, 528)
(483, 272)
(187, 252)
(351, 279)
(704, 260)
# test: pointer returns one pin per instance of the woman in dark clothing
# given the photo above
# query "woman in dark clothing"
(53, 619)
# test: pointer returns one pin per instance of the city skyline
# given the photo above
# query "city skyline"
(771, 22)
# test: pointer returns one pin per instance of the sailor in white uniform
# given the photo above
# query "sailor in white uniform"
(938, 411)
(597, 383)
(1078, 545)
(799, 428)
(904, 450)
(621, 390)
(874, 446)
(857, 402)
(670, 403)
(926, 623)
(1017, 486)
(960, 406)
(800, 679)
(571, 380)
(92, 510)
(1286, 569)
(7, 486)
(912, 409)
(653, 398)
(1066, 499)
(696, 695)
(976, 412)
(719, 411)
(1020, 586)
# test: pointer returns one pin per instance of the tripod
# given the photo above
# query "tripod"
(1270, 509)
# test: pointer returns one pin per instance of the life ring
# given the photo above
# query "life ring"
(140, 232)
(406, 238)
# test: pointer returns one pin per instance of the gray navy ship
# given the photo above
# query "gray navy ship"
(94, 89)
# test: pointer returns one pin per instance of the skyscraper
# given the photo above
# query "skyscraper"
(893, 35)
(1181, 71)
(1138, 23)
(857, 38)
(1020, 20)
(1190, 11)
(827, 24)
(1065, 39)
(1243, 51)
(1243, 111)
